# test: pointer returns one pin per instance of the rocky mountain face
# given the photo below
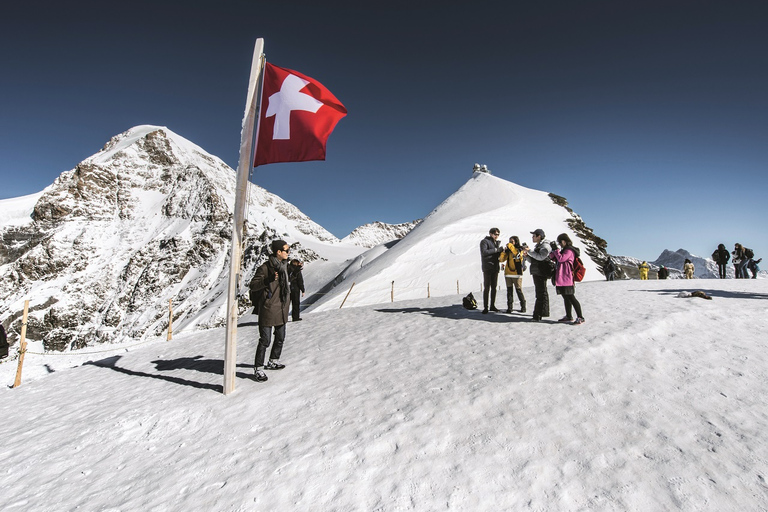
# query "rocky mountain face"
(376, 233)
(144, 221)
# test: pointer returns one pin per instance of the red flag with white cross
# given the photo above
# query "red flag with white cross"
(297, 116)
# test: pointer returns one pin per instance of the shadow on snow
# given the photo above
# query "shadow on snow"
(712, 293)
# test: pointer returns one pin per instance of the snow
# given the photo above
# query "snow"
(656, 403)
(17, 211)
(443, 251)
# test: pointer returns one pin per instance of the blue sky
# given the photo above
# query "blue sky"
(650, 117)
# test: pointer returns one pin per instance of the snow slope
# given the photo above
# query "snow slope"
(656, 403)
(442, 252)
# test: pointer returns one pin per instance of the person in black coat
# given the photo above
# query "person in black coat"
(490, 250)
(721, 257)
(296, 280)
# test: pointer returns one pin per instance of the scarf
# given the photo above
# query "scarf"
(281, 268)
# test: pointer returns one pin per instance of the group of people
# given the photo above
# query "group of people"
(742, 259)
(276, 287)
(515, 257)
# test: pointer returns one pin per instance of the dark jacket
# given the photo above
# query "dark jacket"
(273, 295)
(721, 255)
(489, 254)
(296, 279)
(537, 257)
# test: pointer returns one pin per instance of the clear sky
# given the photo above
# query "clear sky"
(650, 117)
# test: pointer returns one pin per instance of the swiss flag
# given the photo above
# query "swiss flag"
(297, 116)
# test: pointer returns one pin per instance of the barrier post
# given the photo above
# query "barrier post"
(170, 320)
(22, 345)
(392, 293)
(428, 291)
(457, 288)
(347, 295)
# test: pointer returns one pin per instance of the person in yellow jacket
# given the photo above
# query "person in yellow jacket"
(644, 268)
(513, 272)
(688, 268)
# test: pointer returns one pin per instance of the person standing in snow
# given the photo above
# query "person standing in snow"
(644, 268)
(739, 261)
(609, 270)
(3, 343)
(721, 257)
(489, 257)
(752, 266)
(270, 284)
(513, 273)
(688, 269)
(663, 272)
(297, 288)
(537, 258)
(565, 254)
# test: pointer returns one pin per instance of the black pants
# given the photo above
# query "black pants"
(570, 304)
(490, 282)
(722, 267)
(265, 338)
(295, 303)
(541, 308)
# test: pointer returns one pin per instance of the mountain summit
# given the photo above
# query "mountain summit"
(441, 255)
(147, 219)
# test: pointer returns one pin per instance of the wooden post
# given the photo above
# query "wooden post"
(170, 320)
(427, 290)
(347, 295)
(244, 166)
(457, 288)
(392, 293)
(22, 345)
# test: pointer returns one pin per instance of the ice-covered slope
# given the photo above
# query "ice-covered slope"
(148, 219)
(441, 255)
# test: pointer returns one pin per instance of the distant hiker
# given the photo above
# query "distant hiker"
(740, 261)
(565, 255)
(513, 272)
(609, 270)
(270, 283)
(296, 280)
(541, 272)
(644, 268)
(489, 257)
(752, 266)
(3, 343)
(688, 269)
(721, 257)
(663, 272)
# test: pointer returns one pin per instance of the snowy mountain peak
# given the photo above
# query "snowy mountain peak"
(376, 233)
(147, 219)
(440, 256)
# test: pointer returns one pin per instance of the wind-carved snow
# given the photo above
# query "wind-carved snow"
(146, 220)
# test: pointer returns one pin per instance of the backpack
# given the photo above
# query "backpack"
(716, 256)
(749, 253)
(578, 270)
(548, 268)
(469, 302)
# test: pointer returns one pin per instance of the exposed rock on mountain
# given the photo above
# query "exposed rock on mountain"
(144, 221)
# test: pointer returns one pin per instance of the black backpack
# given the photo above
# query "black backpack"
(749, 253)
(469, 302)
(548, 268)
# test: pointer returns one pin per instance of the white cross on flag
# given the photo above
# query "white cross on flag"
(297, 116)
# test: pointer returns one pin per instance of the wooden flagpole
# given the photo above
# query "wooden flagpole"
(243, 170)
(22, 345)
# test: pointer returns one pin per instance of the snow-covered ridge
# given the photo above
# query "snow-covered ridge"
(376, 233)
(147, 219)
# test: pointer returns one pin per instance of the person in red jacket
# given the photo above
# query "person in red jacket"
(564, 253)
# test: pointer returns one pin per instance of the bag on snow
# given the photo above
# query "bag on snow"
(469, 302)
(749, 253)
